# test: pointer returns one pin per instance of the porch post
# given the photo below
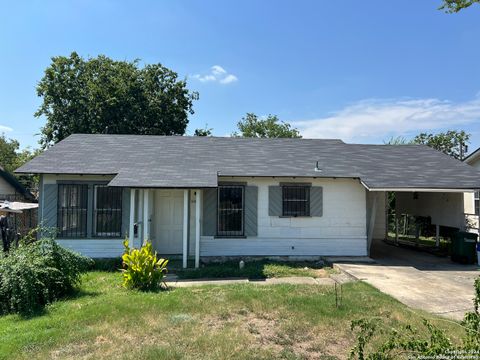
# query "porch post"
(131, 232)
(198, 200)
(186, 213)
(437, 235)
(146, 222)
(140, 216)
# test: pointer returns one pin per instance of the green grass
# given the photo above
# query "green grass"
(247, 321)
(259, 269)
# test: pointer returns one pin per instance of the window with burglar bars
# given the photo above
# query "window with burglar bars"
(230, 210)
(296, 200)
(107, 211)
(72, 210)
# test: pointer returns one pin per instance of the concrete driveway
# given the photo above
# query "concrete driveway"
(419, 280)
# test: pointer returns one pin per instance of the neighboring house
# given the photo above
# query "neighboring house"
(218, 197)
(11, 189)
(18, 203)
(472, 201)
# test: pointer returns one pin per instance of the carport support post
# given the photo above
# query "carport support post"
(437, 235)
(198, 202)
(186, 202)
(371, 224)
(396, 229)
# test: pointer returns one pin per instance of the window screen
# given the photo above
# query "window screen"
(108, 211)
(296, 200)
(230, 210)
(72, 210)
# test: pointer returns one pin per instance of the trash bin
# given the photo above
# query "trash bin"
(464, 247)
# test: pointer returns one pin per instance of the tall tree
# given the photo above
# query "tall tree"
(454, 6)
(452, 142)
(270, 127)
(103, 96)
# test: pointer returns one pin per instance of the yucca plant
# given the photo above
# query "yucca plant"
(141, 268)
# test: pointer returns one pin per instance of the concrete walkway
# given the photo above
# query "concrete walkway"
(419, 280)
(293, 280)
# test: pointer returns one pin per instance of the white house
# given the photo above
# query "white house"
(207, 196)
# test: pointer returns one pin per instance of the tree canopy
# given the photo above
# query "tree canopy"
(206, 131)
(454, 6)
(270, 127)
(101, 95)
(452, 142)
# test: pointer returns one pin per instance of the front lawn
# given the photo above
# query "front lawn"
(244, 321)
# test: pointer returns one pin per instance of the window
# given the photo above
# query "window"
(295, 200)
(230, 210)
(477, 202)
(72, 210)
(107, 211)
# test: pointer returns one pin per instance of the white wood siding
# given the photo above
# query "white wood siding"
(444, 208)
(380, 227)
(340, 231)
(94, 248)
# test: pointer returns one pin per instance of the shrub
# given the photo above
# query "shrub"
(142, 270)
(36, 274)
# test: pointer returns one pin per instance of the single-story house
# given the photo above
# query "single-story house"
(219, 197)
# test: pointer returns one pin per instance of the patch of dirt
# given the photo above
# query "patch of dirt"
(320, 273)
(271, 332)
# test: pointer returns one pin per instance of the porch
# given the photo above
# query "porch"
(169, 218)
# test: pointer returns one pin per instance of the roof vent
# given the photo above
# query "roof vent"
(317, 167)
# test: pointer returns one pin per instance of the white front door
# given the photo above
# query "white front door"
(168, 222)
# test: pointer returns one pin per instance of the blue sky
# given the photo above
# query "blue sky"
(362, 71)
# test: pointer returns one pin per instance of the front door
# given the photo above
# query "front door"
(168, 222)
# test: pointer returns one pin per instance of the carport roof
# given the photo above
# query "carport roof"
(183, 162)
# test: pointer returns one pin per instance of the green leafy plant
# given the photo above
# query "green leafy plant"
(142, 270)
(38, 273)
(406, 342)
(471, 321)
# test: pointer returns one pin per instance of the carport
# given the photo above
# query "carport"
(447, 210)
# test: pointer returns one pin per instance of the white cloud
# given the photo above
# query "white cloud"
(4, 128)
(228, 79)
(216, 74)
(379, 119)
(217, 70)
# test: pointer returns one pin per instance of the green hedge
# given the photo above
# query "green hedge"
(36, 274)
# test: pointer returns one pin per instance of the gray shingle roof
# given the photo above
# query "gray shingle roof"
(181, 161)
